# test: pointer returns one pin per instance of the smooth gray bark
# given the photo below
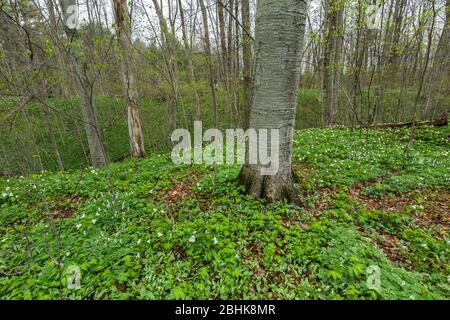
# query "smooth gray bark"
(280, 27)
(247, 59)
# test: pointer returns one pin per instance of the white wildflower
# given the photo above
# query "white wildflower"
(94, 221)
(215, 241)
(160, 234)
(78, 226)
(192, 239)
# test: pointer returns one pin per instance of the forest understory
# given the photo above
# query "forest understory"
(164, 231)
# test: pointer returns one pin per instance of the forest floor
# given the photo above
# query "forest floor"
(190, 232)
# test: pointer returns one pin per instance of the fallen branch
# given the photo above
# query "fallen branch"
(438, 122)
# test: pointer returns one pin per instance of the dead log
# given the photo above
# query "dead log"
(438, 122)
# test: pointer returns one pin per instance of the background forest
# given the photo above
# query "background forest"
(192, 60)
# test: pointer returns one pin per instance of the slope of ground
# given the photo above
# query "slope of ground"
(149, 229)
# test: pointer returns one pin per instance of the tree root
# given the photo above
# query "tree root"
(271, 188)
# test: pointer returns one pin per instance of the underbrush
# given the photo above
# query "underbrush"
(149, 229)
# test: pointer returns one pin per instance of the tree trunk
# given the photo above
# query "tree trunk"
(237, 66)
(334, 21)
(96, 150)
(280, 28)
(224, 57)
(441, 66)
(247, 58)
(212, 77)
(40, 68)
(123, 29)
(64, 89)
(188, 49)
(169, 46)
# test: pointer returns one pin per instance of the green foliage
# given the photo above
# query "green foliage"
(344, 157)
(190, 232)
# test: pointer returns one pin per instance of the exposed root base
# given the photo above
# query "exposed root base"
(271, 188)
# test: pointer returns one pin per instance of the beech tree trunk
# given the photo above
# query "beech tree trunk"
(280, 27)
(123, 25)
(247, 58)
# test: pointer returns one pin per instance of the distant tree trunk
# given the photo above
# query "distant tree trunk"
(188, 49)
(358, 60)
(169, 46)
(389, 60)
(212, 77)
(59, 59)
(41, 84)
(443, 49)
(222, 36)
(441, 66)
(423, 76)
(247, 59)
(123, 29)
(230, 49)
(224, 57)
(280, 27)
(49, 124)
(237, 63)
(96, 150)
(334, 21)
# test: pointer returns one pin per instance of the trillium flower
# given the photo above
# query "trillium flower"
(78, 226)
(4, 194)
(139, 241)
(192, 239)
(160, 234)
(215, 241)
(94, 221)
